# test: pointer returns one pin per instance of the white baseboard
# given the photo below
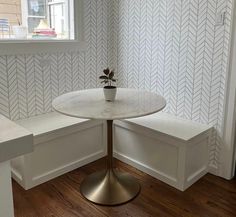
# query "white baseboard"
(213, 169)
(16, 175)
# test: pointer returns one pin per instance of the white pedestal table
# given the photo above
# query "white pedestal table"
(109, 187)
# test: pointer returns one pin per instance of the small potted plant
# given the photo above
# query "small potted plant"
(107, 79)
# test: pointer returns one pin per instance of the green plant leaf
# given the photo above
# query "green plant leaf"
(114, 80)
(104, 81)
(106, 71)
(103, 77)
(111, 75)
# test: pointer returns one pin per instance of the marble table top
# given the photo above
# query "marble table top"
(90, 104)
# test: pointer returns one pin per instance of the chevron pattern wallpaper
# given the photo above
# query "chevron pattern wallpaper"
(168, 46)
(174, 47)
(27, 86)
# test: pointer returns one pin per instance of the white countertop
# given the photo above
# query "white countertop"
(91, 104)
(14, 140)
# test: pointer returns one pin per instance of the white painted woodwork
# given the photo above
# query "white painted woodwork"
(6, 200)
(33, 46)
(228, 155)
(171, 149)
(61, 144)
(14, 140)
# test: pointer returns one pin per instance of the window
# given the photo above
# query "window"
(37, 20)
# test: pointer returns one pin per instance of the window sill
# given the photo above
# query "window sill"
(13, 47)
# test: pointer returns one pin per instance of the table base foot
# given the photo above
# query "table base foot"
(110, 188)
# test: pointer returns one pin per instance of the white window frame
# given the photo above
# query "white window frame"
(8, 47)
(67, 16)
(25, 14)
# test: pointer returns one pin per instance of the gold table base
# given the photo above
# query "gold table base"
(109, 187)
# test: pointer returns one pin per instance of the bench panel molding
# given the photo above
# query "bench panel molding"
(68, 143)
(175, 161)
(59, 151)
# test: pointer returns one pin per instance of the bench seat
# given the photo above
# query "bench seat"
(61, 144)
(169, 148)
(166, 147)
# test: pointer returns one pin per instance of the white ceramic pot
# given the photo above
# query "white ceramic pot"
(109, 93)
(20, 32)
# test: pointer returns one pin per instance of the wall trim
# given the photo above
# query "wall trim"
(227, 155)
(213, 169)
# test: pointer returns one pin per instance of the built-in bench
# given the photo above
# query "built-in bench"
(172, 149)
(61, 144)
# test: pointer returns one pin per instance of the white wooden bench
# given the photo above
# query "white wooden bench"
(61, 144)
(171, 149)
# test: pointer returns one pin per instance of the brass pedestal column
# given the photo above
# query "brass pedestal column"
(110, 187)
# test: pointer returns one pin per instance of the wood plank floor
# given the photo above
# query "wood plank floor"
(209, 197)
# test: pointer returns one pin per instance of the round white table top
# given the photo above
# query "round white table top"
(90, 104)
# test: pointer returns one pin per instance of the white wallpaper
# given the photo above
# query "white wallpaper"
(168, 46)
(174, 47)
(27, 86)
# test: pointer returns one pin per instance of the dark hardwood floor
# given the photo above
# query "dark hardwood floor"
(209, 197)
